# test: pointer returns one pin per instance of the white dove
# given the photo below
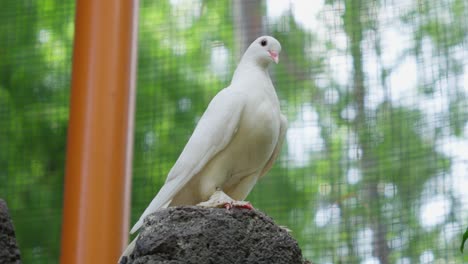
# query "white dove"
(236, 141)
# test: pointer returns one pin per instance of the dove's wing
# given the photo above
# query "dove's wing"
(282, 135)
(212, 134)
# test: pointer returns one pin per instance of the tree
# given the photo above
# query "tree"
(34, 80)
(369, 160)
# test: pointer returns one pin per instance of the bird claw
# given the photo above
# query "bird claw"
(248, 206)
(220, 199)
(238, 204)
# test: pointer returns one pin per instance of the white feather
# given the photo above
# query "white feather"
(236, 141)
(213, 132)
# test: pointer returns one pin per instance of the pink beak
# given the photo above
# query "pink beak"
(274, 56)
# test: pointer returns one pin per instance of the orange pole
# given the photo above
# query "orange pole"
(100, 133)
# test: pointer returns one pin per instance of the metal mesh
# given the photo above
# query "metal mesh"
(35, 65)
(374, 169)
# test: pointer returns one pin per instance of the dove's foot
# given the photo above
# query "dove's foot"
(238, 204)
(220, 199)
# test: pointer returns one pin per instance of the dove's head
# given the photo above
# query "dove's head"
(264, 50)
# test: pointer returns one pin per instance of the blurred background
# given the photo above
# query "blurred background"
(375, 166)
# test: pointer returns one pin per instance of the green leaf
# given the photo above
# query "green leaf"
(465, 237)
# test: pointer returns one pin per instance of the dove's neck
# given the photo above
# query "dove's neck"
(247, 70)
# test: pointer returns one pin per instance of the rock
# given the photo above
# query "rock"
(9, 252)
(192, 234)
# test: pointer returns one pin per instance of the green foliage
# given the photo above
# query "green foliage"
(366, 176)
(34, 85)
(465, 237)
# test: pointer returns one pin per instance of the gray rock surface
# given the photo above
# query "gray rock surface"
(200, 235)
(9, 252)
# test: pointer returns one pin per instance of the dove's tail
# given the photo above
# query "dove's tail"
(128, 250)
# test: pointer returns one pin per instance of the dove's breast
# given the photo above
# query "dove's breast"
(251, 148)
(257, 134)
(236, 168)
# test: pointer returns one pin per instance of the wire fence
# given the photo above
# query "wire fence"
(374, 168)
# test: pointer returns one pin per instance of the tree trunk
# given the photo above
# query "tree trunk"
(354, 30)
(247, 22)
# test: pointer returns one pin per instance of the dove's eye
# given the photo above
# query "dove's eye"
(264, 42)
